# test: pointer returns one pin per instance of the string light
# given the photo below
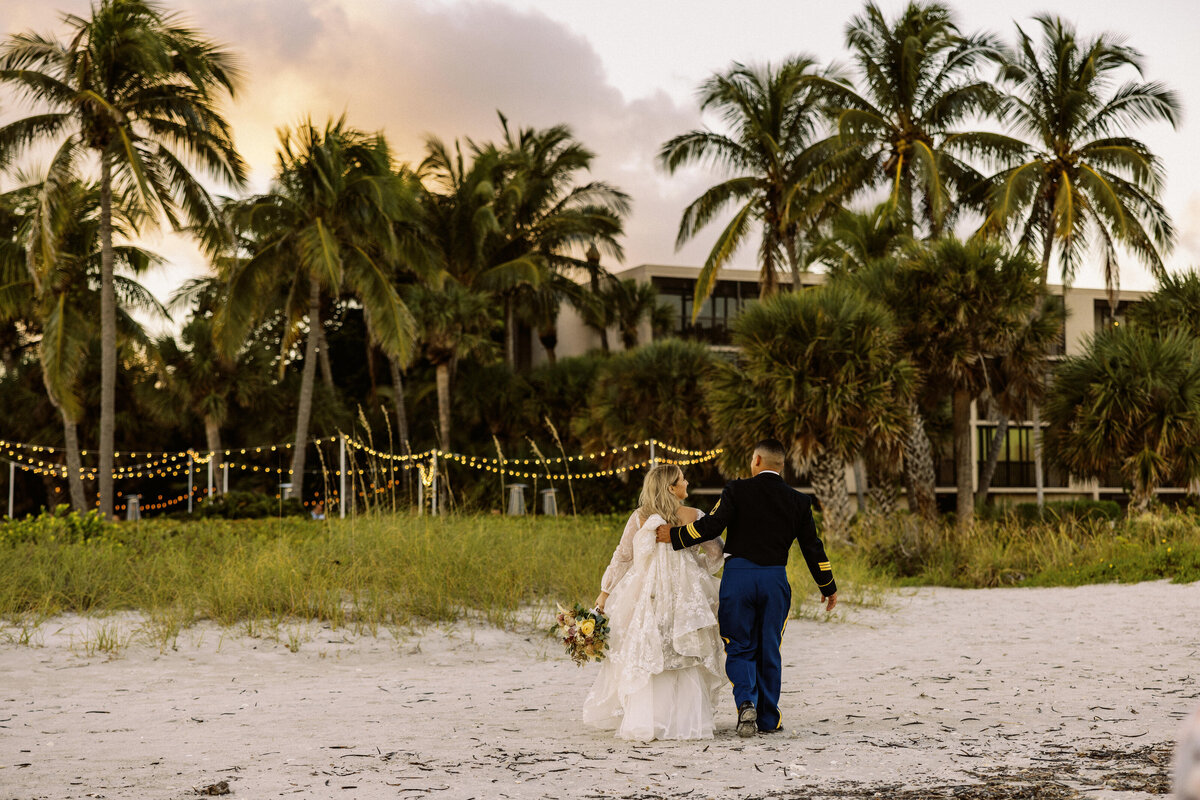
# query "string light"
(169, 465)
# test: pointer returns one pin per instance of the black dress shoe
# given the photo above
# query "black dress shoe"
(747, 724)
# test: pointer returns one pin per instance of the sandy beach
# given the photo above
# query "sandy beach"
(1007, 693)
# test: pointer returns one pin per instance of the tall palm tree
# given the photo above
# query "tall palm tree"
(1076, 177)
(136, 89)
(545, 214)
(51, 279)
(823, 371)
(325, 226)
(774, 117)
(1131, 403)
(961, 306)
(453, 322)
(919, 87)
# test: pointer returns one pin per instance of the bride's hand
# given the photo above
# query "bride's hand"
(600, 600)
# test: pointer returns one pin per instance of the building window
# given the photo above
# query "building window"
(1014, 467)
(714, 322)
(1105, 318)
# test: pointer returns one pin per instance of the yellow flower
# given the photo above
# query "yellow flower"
(588, 626)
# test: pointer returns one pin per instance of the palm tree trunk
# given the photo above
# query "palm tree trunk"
(860, 483)
(308, 378)
(212, 436)
(398, 399)
(510, 333)
(989, 469)
(443, 394)
(71, 441)
(1140, 496)
(829, 482)
(326, 364)
(108, 343)
(920, 476)
(882, 493)
(1039, 477)
(401, 420)
(74, 464)
(963, 466)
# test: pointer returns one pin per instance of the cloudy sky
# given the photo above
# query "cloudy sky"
(621, 73)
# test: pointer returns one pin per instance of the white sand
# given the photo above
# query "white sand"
(937, 685)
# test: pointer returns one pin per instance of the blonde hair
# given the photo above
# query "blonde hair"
(657, 497)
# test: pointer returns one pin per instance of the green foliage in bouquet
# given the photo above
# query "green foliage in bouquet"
(584, 633)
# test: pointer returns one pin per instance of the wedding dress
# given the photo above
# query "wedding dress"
(664, 673)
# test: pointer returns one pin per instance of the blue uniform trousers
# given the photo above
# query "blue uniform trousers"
(755, 602)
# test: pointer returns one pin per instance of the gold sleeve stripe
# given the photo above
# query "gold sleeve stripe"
(823, 585)
(691, 528)
(824, 566)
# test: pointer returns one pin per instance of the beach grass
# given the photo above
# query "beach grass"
(384, 571)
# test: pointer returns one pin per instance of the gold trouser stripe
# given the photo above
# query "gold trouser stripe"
(784, 628)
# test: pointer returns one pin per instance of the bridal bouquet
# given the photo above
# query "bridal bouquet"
(584, 633)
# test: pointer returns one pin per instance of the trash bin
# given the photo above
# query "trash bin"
(550, 502)
(133, 507)
(516, 499)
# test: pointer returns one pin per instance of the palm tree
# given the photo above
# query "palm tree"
(198, 377)
(1175, 305)
(544, 214)
(52, 281)
(325, 226)
(823, 371)
(962, 305)
(1080, 178)
(632, 303)
(137, 90)
(919, 85)
(856, 240)
(1077, 177)
(774, 116)
(1131, 403)
(453, 322)
(651, 391)
(1017, 377)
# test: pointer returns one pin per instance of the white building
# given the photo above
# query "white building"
(1087, 312)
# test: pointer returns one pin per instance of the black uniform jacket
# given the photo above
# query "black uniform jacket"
(763, 516)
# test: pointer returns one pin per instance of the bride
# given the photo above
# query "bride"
(664, 673)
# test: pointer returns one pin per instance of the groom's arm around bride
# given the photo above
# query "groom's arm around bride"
(763, 516)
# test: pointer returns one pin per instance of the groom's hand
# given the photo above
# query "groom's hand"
(664, 533)
(830, 602)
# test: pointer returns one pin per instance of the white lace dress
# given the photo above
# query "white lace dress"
(665, 671)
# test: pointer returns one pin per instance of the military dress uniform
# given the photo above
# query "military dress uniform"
(763, 516)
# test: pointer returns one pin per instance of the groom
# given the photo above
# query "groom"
(763, 516)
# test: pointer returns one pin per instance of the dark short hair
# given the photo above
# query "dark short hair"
(771, 449)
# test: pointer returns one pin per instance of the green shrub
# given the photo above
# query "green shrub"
(247, 505)
(60, 525)
(1068, 509)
